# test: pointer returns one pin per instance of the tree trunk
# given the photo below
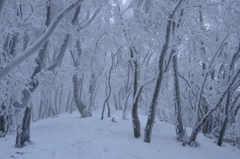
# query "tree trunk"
(124, 116)
(23, 131)
(115, 101)
(135, 119)
(4, 121)
(178, 112)
(208, 127)
(108, 96)
(91, 92)
(126, 92)
(81, 107)
(224, 126)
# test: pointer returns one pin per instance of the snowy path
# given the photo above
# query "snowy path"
(71, 137)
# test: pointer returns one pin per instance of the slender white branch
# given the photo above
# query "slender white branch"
(90, 21)
(141, 87)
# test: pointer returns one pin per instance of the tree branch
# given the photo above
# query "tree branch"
(38, 44)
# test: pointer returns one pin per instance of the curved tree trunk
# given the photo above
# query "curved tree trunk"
(81, 107)
(76, 56)
(135, 119)
(108, 93)
(109, 86)
(76, 85)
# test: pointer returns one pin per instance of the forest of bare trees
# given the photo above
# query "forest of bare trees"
(177, 61)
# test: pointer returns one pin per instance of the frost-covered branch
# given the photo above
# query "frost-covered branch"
(186, 81)
(201, 122)
(90, 21)
(141, 87)
(60, 55)
(38, 44)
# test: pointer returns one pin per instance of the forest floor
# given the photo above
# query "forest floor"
(68, 136)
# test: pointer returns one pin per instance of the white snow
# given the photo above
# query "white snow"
(70, 137)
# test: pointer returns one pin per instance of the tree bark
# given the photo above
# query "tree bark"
(135, 119)
(124, 116)
(4, 123)
(224, 126)
(81, 107)
(178, 112)
(23, 131)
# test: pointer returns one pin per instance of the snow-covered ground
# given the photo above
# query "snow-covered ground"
(70, 137)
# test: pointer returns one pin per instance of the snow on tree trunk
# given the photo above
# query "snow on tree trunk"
(124, 115)
(135, 119)
(108, 93)
(91, 89)
(42, 40)
(4, 123)
(80, 106)
(208, 127)
(151, 116)
(224, 126)
(23, 131)
(178, 112)
(76, 85)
